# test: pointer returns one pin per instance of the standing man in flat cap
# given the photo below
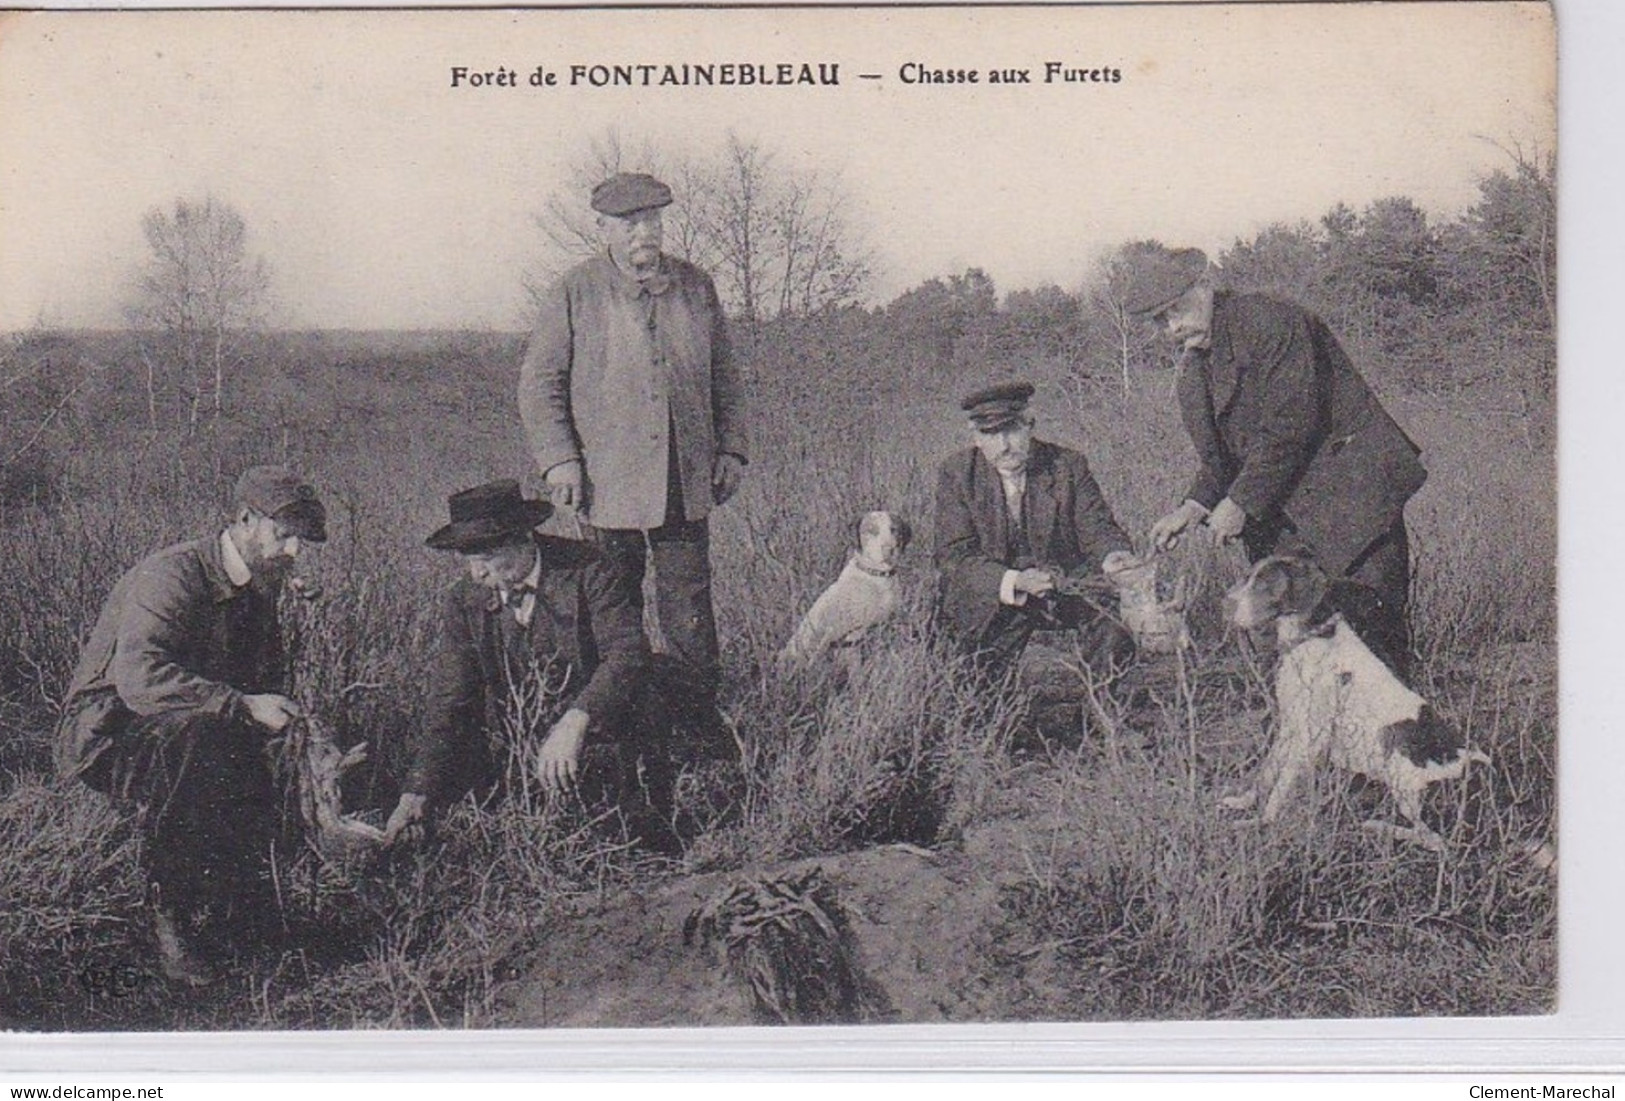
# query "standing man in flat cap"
(1017, 518)
(633, 408)
(537, 606)
(1296, 454)
(181, 684)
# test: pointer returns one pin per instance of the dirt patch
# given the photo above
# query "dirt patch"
(922, 923)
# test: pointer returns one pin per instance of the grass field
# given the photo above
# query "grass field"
(1155, 909)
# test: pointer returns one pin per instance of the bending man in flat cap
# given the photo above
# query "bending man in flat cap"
(1016, 519)
(177, 691)
(1296, 454)
(533, 611)
(633, 409)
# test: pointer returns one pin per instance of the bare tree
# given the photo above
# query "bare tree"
(740, 221)
(783, 238)
(198, 293)
(1130, 340)
(570, 228)
(777, 241)
(823, 265)
(566, 221)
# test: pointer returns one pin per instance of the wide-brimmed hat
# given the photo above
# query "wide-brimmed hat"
(285, 497)
(1157, 279)
(995, 407)
(488, 516)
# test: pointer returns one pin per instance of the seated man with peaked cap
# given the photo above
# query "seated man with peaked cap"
(530, 605)
(1295, 453)
(1017, 518)
(178, 689)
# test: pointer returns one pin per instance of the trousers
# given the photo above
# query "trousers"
(680, 552)
(1103, 641)
(205, 808)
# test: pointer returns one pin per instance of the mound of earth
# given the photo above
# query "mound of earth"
(930, 941)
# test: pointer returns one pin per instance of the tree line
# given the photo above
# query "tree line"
(1429, 304)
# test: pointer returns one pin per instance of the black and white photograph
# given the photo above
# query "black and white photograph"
(653, 518)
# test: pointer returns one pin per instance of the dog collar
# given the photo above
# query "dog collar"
(872, 571)
(1326, 628)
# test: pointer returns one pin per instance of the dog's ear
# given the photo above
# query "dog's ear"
(1308, 586)
(1270, 581)
(905, 534)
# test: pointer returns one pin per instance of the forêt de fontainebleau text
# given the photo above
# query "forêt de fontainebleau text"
(777, 74)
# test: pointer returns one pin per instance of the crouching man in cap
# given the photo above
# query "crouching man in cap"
(177, 691)
(1017, 519)
(1296, 454)
(633, 408)
(532, 606)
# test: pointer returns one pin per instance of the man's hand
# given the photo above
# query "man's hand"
(559, 762)
(406, 819)
(1034, 581)
(726, 473)
(567, 485)
(1226, 521)
(271, 710)
(1122, 568)
(1165, 532)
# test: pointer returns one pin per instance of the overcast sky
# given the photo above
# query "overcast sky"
(383, 197)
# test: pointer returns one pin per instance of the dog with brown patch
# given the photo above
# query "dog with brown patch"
(1335, 700)
(862, 598)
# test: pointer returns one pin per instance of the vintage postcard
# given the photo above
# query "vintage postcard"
(592, 518)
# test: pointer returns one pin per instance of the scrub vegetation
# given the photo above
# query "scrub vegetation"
(1129, 893)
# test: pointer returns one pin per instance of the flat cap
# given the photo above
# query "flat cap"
(629, 192)
(994, 407)
(285, 497)
(1157, 279)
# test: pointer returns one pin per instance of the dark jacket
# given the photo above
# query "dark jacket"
(613, 368)
(585, 644)
(174, 635)
(1068, 526)
(1285, 427)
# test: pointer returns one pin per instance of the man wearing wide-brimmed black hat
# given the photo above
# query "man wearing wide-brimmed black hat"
(1296, 453)
(633, 409)
(177, 691)
(534, 613)
(1017, 519)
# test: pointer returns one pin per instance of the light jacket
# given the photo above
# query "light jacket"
(613, 369)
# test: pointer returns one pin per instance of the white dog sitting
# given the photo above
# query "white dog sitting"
(1336, 699)
(862, 598)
